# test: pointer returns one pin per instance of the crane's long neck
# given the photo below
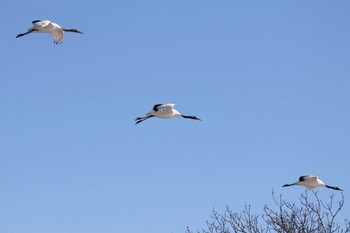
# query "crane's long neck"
(332, 187)
(189, 117)
(72, 30)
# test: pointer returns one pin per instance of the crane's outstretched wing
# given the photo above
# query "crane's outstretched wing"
(306, 177)
(56, 33)
(40, 24)
(156, 107)
(162, 107)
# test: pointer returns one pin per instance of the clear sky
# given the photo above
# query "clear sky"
(269, 79)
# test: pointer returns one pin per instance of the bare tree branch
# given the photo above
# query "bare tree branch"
(284, 217)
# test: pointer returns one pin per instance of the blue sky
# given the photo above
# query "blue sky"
(269, 79)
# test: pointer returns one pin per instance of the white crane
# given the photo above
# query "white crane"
(163, 111)
(311, 182)
(46, 26)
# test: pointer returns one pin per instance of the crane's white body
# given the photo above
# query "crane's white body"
(46, 26)
(311, 182)
(164, 111)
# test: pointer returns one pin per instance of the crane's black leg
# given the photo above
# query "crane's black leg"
(23, 34)
(140, 119)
